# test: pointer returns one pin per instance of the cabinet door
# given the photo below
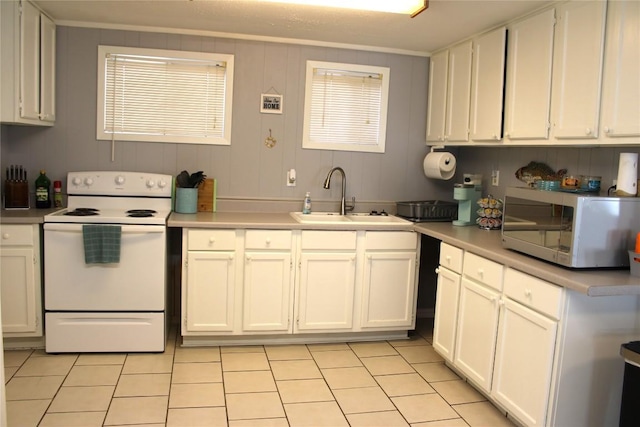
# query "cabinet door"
(487, 86)
(528, 92)
(577, 69)
(267, 291)
(389, 289)
(458, 93)
(47, 69)
(477, 330)
(524, 362)
(326, 288)
(30, 62)
(437, 99)
(210, 291)
(621, 85)
(18, 290)
(446, 316)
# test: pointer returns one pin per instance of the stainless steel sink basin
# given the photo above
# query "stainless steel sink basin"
(355, 219)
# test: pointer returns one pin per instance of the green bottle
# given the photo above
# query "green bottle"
(43, 191)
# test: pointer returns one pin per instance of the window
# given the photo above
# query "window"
(164, 96)
(345, 107)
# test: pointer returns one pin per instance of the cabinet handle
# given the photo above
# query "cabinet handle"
(5, 235)
(480, 272)
(587, 131)
(437, 270)
(267, 242)
(527, 293)
(230, 257)
(607, 130)
(248, 257)
(501, 303)
(212, 239)
(495, 137)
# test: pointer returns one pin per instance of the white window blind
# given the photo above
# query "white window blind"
(345, 107)
(166, 96)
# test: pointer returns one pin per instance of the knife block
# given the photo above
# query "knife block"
(16, 195)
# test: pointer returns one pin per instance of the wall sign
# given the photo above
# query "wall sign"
(270, 103)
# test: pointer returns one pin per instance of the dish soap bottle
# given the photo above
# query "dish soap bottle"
(306, 208)
(43, 191)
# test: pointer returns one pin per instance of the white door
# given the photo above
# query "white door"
(210, 291)
(446, 316)
(389, 288)
(18, 290)
(267, 291)
(458, 93)
(577, 69)
(487, 86)
(47, 69)
(326, 292)
(437, 98)
(621, 85)
(524, 362)
(136, 283)
(477, 330)
(30, 61)
(528, 91)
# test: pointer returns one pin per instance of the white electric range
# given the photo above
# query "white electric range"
(108, 306)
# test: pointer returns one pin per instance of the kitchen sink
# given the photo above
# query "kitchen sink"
(355, 219)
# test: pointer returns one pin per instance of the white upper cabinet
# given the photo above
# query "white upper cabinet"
(28, 65)
(487, 86)
(577, 69)
(529, 65)
(621, 81)
(449, 91)
(437, 102)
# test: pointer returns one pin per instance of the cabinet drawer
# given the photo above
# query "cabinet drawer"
(390, 240)
(329, 240)
(16, 235)
(211, 240)
(535, 293)
(451, 257)
(482, 270)
(268, 239)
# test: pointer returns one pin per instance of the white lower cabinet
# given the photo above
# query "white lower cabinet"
(326, 284)
(209, 284)
(20, 281)
(241, 284)
(477, 330)
(447, 298)
(268, 281)
(389, 289)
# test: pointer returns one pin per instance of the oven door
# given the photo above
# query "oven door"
(136, 283)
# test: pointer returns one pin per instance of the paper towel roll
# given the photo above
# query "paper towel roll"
(439, 165)
(627, 184)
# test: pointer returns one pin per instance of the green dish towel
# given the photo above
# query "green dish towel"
(101, 243)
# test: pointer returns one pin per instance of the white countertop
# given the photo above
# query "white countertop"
(25, 216)
(592, 282)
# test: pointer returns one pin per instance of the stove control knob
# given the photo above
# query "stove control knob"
(76, 181)
(151, 183)
(120, 179)
(88, 181)
(162, 184)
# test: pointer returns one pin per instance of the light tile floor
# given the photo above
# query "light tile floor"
(389, 383)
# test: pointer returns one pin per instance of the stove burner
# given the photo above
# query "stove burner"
(141, 213)
(83, 212)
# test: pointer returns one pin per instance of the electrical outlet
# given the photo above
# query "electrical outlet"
(291, 178)
(495, 178)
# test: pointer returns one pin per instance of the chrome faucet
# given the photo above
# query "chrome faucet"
(327, 184)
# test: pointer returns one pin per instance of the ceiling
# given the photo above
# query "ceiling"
(444, 22)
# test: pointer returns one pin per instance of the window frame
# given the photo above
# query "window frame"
(228, 59)
(307, 140)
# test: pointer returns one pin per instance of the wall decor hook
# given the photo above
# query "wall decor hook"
(270, 141)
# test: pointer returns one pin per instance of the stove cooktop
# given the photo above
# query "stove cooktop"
(109, 216)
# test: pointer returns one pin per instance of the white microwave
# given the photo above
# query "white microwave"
(577, 230)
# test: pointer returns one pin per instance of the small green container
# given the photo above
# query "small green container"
(186, 200)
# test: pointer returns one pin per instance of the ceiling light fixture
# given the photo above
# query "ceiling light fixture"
(409, 7)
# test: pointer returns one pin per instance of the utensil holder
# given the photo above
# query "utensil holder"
(16, 195)
(186, 200)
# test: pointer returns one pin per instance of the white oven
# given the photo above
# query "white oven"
(107, 305)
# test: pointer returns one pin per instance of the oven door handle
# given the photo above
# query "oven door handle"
(126, 229)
